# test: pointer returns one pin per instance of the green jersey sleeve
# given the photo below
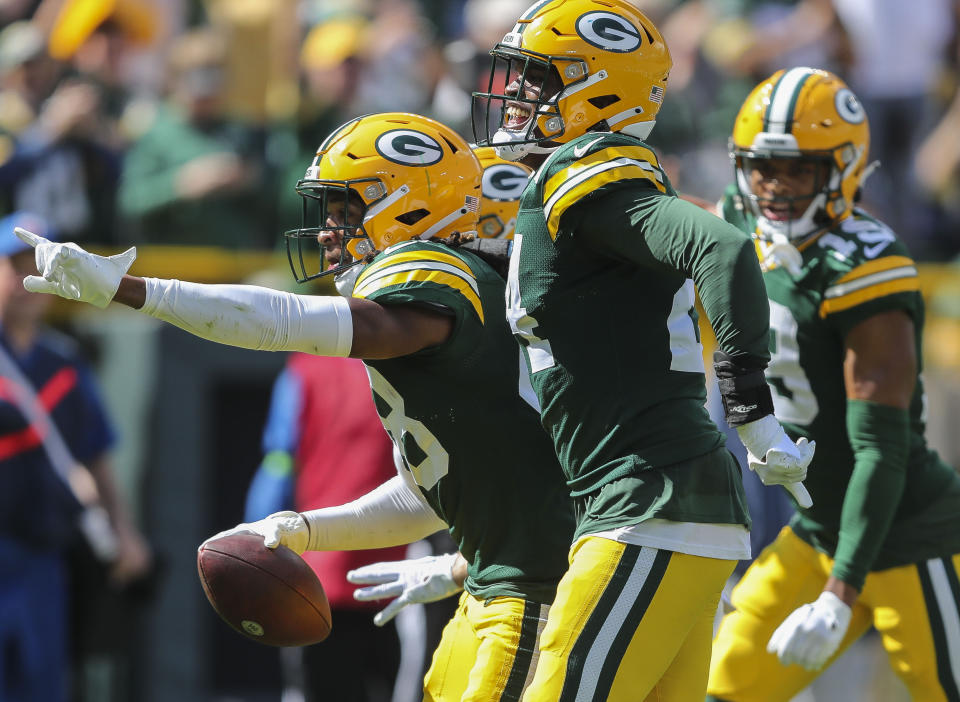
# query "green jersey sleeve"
(869, 271)
(655, 230)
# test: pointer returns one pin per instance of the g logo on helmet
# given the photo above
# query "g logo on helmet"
(409, 147)
(609, 32)
(849, 107)
(503, 182)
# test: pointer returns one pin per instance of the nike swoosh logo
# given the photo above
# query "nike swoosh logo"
(872, 251)
(579, 151)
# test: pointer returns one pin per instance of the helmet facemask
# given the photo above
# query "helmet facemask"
(791, 194)
(524, 116)
(338, 240)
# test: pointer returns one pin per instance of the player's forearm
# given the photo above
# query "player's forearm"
(132, 292)
(880, 437)
(731, 289)
(244, 315)
(390, 515)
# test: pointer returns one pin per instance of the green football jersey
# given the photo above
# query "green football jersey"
(474, 447)
(857, 269)
(601, 299)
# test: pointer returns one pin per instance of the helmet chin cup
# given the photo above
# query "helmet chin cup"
(509, 146)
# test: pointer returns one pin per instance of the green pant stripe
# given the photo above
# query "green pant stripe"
(632, 623)
(524, 657)
(938, 631)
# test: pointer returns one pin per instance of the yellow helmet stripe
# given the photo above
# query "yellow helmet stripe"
(590, 180)
(420, 273)
(424, 255)
(783, 100)
(636, 153)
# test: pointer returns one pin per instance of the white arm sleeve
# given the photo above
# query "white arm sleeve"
(391, 514)
(253, 317)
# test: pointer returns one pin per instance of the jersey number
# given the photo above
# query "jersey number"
(522, 324)
(429, 461)
(793, 398)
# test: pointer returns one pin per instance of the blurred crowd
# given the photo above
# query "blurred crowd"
(189, 121)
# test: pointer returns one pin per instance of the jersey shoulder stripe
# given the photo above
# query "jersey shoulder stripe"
(582, 176)
(870, 280)
(420, 265)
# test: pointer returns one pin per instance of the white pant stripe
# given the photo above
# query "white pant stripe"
(948, 613)
(614, 623)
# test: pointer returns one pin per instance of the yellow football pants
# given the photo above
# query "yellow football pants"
(629, 623)
(487, 652)
(915, 609)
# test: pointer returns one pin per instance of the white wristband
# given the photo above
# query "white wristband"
(253, 317)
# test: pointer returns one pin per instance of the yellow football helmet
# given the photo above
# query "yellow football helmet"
(379, 180)
(808, 115)
(569, 67)
(502, 184)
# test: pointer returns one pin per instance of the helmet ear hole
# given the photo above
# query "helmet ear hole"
(412, 217)
(602, 101)
(453, 147)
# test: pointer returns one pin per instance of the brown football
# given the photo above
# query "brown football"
(269, 595)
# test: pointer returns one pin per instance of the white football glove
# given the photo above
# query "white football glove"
(287, 528)
(781, 461)
(812, 633)
(69, 271)
(413, 581)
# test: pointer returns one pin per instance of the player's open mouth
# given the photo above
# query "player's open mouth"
(779, 212)
(517, 115)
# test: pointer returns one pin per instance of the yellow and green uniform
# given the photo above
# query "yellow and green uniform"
(478, 453)
(868, 527)
(601, 299)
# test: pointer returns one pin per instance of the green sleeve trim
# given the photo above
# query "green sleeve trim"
(278, 464)
(880, 438)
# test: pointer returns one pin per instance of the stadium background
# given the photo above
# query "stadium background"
(189, 412)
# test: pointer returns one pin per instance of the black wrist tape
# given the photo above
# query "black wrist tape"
(744, 391)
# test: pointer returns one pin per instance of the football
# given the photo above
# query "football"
(271, 596)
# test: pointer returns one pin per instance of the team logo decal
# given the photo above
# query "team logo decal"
(849, 107)
(503, 182)
(409, 147)
(608, 31)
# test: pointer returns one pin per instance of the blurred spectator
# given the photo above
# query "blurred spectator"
(50, 417)
(61, 158)
(402, 63)
(324, 446)
(330, 67)
(99, 39)
(467, 59)
(27, 75)
(898, 90)
(195, 176)
(721, 48)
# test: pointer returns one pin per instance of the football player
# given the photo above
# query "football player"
(601, 299)
(428, 318)
(881, 544)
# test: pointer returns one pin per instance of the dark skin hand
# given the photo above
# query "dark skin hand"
(378, 331)
(880, 366)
